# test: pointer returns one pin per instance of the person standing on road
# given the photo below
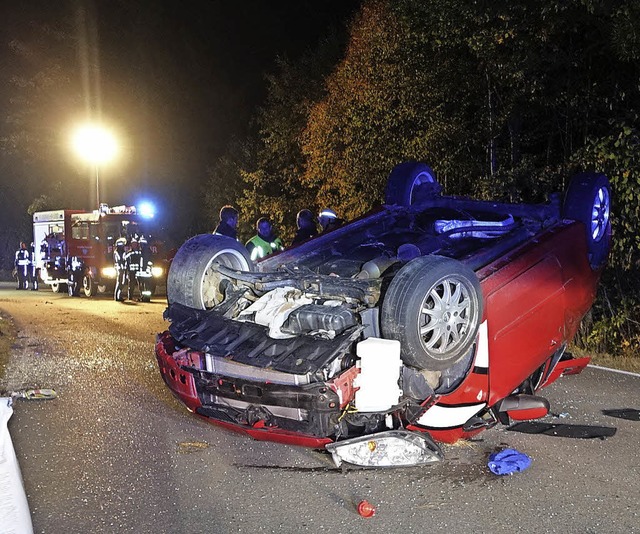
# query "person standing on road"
(33, 267)
(133, 263)
(145, 273)
(119, 263)
(22, 266)
(265, 242)
(228, 224)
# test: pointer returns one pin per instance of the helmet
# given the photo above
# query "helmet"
(329, 214)
(121, 242)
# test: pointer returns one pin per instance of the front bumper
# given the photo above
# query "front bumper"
(295, 414)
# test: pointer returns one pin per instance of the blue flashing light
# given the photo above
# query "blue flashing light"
(146, 210)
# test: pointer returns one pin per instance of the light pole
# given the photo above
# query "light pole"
(97, 146)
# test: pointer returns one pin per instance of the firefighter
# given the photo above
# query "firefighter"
(329, 220)
(119, 263)
(33, 268)
(228, 224)
(75, 271)
(145, 273)
(22, 266)
(265, 242)
(133, 264)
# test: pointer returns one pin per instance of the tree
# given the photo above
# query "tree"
(272, 181)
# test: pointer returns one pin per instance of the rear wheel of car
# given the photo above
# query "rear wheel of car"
(194, 279)
(588, 200)
(410, 182)
(89, 286)
(56, 287)
(433, 307)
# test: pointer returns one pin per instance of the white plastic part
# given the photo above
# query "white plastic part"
(14, 509)
(393, 448)
(379, 374)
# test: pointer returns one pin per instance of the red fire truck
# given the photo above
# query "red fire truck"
(74, 248)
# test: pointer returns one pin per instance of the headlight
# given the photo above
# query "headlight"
(157, 271)
(395, 448)
(109, 272)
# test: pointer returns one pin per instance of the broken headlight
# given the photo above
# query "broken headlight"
(394, 448)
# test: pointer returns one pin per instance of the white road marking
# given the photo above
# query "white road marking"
(613, 370)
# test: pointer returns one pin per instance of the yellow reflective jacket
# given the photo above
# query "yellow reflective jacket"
(259, 247)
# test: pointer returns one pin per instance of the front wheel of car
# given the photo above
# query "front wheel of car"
(433, 306)
(588, 200)
(410, 182)
(194, 279)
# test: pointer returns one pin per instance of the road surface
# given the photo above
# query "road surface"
(117, 453)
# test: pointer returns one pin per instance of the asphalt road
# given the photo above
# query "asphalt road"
(115, 452)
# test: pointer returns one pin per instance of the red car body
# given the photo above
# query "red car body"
(537, 281)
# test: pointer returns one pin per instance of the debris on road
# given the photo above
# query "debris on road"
(564, 430)
(35, 394)
(366, 509)
(508, 461)
(624, 413)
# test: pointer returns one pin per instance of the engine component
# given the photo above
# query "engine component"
(313, 317)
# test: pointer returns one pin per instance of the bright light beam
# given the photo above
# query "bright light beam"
(97, 146)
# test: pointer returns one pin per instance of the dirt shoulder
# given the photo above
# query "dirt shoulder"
(7, 339)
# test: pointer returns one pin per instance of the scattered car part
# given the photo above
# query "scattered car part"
(394, 448)
(366, 509)
(631, 414)
(35, 394)
(564, 430)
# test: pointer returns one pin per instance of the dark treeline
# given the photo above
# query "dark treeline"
(503, 100)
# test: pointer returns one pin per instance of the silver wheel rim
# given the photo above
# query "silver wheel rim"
(600, 214)
(446, 317)
(210, 290)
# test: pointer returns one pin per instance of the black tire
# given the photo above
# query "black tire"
(588, 200)
(433, 307)
(410, 182)
(57, 287)
(89, 286)
(193, 278)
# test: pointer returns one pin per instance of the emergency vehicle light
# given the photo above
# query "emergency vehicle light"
(146, 210)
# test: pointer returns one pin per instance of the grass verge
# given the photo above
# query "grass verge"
(7, 338)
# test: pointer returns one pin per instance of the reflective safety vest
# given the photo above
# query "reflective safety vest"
(119, 258)
(262, 248)
(22, 257)
(133, 259)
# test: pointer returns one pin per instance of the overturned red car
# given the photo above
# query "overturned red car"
(428, 319)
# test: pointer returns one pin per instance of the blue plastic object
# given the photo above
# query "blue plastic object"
(508, 461)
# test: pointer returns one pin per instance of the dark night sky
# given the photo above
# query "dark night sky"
(178, 79)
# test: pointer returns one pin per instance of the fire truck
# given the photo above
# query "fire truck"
(74, 248)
